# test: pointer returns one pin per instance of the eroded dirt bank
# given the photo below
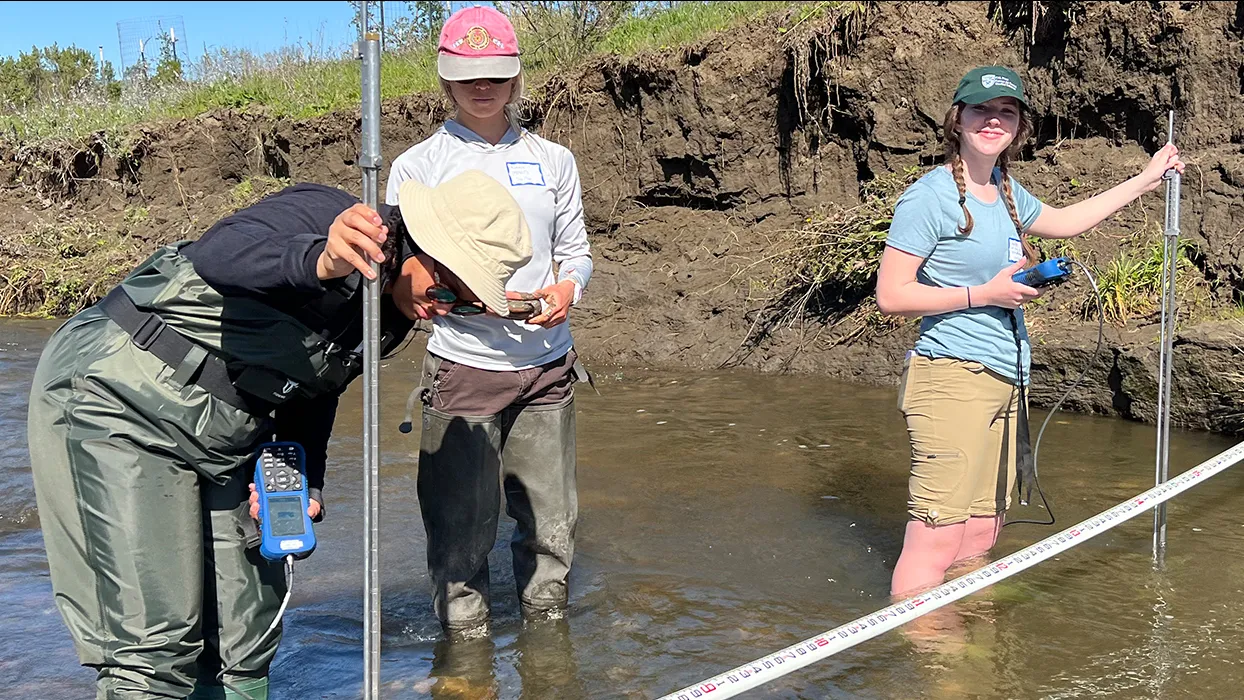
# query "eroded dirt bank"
(697, 161)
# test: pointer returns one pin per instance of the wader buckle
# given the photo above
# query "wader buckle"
(148, 331)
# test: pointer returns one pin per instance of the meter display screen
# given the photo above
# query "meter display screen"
(285, 516)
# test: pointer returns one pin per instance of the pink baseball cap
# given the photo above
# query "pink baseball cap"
(477, 42)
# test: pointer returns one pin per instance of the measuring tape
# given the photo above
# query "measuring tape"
(824, 645)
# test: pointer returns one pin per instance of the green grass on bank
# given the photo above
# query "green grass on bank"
(59, 266)
(296, 89)
(288, 86)
(682, 24)
(1131, 282)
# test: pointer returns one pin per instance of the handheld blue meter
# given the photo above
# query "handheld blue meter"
(1053, 271)
(280, 479)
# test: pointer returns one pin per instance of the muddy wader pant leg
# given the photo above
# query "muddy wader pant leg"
(482, 429)
(459, 498)
(538, 472)
(133, 532)
(242, 592)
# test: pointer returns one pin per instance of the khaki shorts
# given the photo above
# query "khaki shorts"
(961, 419)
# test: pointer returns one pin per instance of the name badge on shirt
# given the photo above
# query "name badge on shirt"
(1015, 250)
(524, 173)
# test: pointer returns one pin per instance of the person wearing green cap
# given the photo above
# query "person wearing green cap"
(958, 235)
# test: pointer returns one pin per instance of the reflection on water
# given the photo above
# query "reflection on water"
(724, 516)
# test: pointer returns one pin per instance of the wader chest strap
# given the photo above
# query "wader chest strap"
(149, 332)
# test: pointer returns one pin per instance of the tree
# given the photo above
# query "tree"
(373, 15)
(107, 74)
(108, 81)
(138, 73)
(21, 78)
(69, 68)
(418, 26)
(168, 71)
(561, 33)
(45, 73)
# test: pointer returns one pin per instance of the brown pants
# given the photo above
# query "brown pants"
(485, 432)
(467, 391)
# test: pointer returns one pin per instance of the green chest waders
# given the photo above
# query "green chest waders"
(138, 453)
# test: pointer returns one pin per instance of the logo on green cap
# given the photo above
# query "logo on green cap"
(990, 80)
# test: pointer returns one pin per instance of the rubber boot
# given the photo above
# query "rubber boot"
(254, 688)
(207, 692)
(538, 468)
(460, 501)
(464, 669)
(545, 660)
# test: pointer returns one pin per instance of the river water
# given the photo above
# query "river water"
(724, 516)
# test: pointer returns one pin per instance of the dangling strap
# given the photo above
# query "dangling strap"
(422, 391)
(1025, 467)
(582, 375)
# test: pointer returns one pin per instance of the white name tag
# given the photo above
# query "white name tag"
(524, 173)
(1015, 250)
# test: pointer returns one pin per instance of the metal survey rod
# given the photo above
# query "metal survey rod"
(368, 49)
(1170, 265)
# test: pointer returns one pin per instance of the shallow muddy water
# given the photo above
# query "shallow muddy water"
(723, 516)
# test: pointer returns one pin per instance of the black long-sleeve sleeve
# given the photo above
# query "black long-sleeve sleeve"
(269, 250)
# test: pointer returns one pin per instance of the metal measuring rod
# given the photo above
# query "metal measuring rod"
(368, 50)
(1170, 264)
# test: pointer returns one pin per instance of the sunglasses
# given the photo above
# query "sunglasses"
(519, 308)
(445, 295)
(494, 81)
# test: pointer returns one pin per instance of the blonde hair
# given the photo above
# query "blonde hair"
(951, 138)
(517, 86)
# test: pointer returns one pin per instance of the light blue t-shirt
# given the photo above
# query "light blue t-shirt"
(926, 223)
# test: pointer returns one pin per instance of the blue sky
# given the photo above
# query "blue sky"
(259, 26)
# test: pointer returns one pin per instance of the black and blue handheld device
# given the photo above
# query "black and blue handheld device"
(280, 478)
(1052, 271)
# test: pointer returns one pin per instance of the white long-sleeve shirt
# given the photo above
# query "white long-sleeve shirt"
(544, 179)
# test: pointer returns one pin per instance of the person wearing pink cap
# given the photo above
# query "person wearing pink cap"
(497, 392)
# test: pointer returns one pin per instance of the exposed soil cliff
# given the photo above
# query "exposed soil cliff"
(697, 161)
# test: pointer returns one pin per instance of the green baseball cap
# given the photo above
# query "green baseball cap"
(985, 83)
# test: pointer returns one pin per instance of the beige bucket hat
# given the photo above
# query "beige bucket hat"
(472, 225)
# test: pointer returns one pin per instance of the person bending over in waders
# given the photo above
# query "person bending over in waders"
(147, 410)
(498, 394)
(957, 236)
